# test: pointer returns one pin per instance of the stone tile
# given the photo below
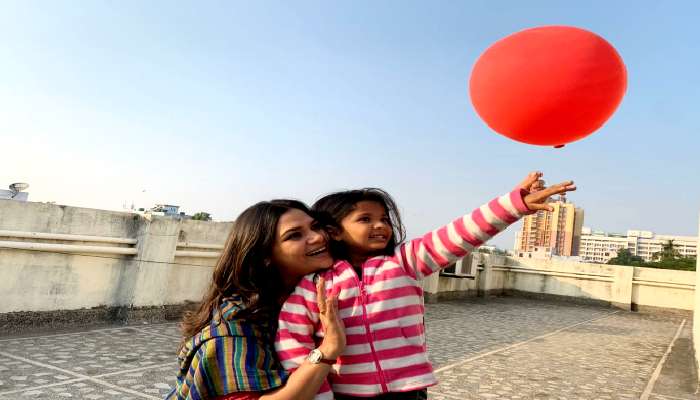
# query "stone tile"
(19, 375)
(459, 330)
(155, 382)
(655, 396)
(97, 352)
(611, 358)
(78, 390)
(170, 330)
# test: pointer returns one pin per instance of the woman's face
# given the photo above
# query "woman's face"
(300, 246)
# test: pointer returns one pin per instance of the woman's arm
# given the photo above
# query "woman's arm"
(307, 379)
(303, 384)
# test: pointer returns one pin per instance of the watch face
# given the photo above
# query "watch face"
(315, 356)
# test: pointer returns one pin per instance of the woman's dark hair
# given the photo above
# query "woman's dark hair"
(331, 209)
(242, 269)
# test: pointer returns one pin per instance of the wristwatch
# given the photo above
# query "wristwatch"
(316, 357)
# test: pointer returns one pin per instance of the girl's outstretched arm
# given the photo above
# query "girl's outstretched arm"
(443, 246)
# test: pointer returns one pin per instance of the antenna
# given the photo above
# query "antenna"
(18, 187)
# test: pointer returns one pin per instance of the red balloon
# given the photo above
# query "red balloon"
(549, 85)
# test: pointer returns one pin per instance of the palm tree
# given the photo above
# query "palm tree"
(668, 253)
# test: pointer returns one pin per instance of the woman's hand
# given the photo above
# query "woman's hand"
(539, 194)
(333, 343)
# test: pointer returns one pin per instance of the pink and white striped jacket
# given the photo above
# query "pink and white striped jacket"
(383, 311)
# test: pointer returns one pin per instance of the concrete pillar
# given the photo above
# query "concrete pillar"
(483, 281)
(486, 283)
(157, 241)
(622, 287)
(431, 288)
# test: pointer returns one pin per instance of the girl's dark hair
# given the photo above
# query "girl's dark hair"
(242, 269)
(331, 209)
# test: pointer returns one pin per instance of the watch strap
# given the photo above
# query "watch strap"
(328, 361)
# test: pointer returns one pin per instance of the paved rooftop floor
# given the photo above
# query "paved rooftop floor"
(497, 348)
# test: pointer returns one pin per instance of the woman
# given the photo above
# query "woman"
(228, 347)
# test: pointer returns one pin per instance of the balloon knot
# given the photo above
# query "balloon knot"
(559, 146)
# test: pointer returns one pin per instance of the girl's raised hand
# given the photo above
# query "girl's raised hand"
(536, 200)
(533, 182)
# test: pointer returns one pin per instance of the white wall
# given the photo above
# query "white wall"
(622, 286)
(174, 259)
(664, 288)
(70, 280)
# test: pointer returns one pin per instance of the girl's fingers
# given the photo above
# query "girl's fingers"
(321, 295)
(541, 207)
(531, 178)
(555, 189)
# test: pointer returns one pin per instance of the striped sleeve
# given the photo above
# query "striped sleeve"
(442, 247)
(297, 328)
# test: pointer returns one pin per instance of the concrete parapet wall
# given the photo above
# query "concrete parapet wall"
(663, 288)
(587, 281)
(68, 258)
(621, 286)
(56, 257)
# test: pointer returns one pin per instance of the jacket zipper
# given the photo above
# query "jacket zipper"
(363, 294)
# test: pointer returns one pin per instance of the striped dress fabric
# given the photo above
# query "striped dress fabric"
(383, 310)
(230, 355)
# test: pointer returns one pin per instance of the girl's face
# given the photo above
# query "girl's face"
(300, 246)
(366, 230)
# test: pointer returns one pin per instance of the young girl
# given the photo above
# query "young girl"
(379, 290)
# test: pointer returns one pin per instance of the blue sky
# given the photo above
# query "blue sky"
(216, 105)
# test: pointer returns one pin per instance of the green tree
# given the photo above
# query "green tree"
(202, 216)
(681, 263)
(668, 258)
(625, 257)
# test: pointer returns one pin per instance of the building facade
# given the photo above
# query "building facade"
(600, 247)
(557, 231)
(166, 209)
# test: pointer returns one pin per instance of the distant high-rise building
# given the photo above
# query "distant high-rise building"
(558, 230)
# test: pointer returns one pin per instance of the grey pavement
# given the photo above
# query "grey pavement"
(496, 348)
